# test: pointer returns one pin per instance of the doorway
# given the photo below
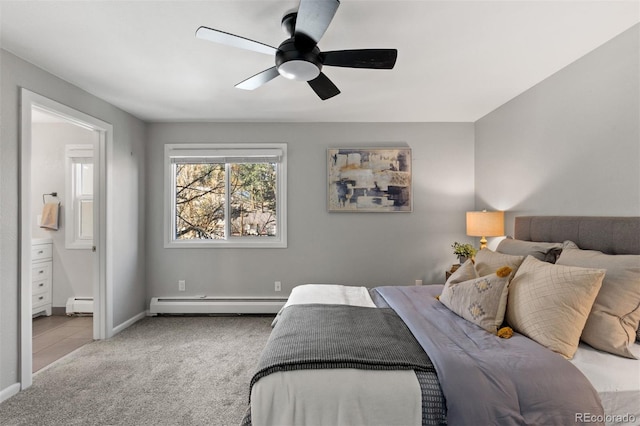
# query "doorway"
(62, 192)
(93, 221)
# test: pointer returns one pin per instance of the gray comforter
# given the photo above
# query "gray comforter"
(487, 380)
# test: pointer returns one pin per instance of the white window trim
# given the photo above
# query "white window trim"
(231, 150)
(72, 240)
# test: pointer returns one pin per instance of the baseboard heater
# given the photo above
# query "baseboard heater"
(215, 305)
(79, 306)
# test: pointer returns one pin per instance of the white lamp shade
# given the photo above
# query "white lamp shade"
(485, 224)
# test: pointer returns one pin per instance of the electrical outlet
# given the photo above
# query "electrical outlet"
(418, 282)
(182, 285)
(278, 286)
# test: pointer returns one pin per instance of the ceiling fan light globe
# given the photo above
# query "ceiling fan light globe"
(299, 70)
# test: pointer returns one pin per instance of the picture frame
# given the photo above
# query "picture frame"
(369, 180)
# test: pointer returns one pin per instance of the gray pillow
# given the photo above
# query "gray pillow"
(546, 252)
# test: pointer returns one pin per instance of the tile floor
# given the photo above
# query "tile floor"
(57, 335)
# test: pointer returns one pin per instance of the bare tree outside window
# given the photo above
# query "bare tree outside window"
(201, 196)
(253, 199)
(200, 191)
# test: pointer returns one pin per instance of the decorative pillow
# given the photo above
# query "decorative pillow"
(480, 300)
(568, 244)
(550, 303)
(487, 262)
(465, 272)
(547, 252)
(613, 322)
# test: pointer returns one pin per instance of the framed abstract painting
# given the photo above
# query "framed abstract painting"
(369, 179)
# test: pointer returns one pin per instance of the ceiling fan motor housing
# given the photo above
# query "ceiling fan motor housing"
(289, 22)
(295, 64)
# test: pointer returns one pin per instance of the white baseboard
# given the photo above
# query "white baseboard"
(8, 392)
(215, 305)
(128, 323)
(79, 305)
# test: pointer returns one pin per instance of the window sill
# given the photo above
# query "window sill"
(224, 244)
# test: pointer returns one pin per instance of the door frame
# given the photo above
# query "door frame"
(102, 263)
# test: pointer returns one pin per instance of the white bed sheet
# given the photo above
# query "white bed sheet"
(330, 294)
(337, 397)
(617, 381)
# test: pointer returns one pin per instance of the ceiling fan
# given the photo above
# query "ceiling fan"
(298, 57)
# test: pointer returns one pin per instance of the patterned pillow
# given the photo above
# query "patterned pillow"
(480, 300)
(613, 322)
(465, 272)
(550, 303)
(547, 252)
(487, 262)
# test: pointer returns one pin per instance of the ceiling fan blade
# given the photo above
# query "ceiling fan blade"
(259, 79)
(314, 17)
(383, 59)
(324, 87)
(229, 39)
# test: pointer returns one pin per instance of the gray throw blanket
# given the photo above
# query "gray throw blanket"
(341, 336)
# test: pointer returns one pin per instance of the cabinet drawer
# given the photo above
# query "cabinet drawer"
(41, 251)
(41, 286)
(41, 271)
(40, 299)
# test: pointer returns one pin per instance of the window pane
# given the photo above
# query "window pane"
(200, 191)
(86, 179)
(253, 199)
(86, 220)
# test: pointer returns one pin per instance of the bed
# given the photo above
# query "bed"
(438, 354)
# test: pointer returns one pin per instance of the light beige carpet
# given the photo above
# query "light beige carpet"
(160, 371)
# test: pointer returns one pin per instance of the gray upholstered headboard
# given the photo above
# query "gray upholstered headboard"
(612, 235)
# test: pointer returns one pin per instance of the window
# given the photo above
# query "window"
(225, 195)
(79, 197)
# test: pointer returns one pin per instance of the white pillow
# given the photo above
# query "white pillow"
(550, 303)
(480, 300)
(487, 262)
(613, 322)
(465, 272)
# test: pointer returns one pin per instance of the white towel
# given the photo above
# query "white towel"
(50, 216)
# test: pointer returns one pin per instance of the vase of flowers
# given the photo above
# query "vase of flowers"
(463, 251)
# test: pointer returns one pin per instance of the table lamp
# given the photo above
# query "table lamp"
(485, 224)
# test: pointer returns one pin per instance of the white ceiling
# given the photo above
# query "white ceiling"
(457, 60)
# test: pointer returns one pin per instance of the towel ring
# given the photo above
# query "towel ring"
(53, 194)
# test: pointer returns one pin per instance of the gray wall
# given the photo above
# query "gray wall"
(571, 144)
(351, 248)
(127, 177)
(72, 269)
